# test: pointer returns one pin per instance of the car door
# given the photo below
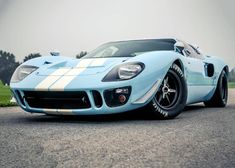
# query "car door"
(196, 77)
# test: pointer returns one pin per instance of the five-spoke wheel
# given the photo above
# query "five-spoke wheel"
(171, 96)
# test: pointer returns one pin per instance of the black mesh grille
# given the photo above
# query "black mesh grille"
(57, 100)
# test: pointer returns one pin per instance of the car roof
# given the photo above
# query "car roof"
(170, 40)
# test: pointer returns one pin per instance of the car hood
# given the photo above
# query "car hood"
(89, 66)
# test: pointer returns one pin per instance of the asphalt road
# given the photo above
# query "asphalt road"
(199, 137)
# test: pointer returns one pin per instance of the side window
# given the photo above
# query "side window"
(192, 52)
(188, 51)
(198, 55)
(195, 50)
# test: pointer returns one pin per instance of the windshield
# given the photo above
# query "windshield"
(130, 48)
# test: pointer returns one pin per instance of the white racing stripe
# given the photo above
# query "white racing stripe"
(59, 82)
(65, 80)
(84, 63)
(98, 62)
(49, 80)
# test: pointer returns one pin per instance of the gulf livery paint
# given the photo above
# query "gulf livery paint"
(163, 74)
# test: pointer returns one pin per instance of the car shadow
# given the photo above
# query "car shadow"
(135, 115)
(194, 107)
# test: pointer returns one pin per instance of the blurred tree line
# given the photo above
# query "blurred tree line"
(232, 75)
(8, 63)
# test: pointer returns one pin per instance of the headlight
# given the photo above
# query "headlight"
(124, 72)
(129, 71)
(21, 72)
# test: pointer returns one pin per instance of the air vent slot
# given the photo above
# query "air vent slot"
(97, 98)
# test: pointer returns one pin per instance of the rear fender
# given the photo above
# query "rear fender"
(219, 66)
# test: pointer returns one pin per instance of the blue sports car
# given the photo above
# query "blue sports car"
(164, 75)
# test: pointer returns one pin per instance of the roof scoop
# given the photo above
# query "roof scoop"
(55, 53)
(47, 62)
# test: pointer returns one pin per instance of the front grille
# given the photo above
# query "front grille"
(57, 99)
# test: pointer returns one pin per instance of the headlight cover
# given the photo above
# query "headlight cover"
(21, 72)
(124, 72)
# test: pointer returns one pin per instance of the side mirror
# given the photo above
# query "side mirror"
(179, 46)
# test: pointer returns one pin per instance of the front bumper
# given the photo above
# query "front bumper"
(143, 87)
(135, 100)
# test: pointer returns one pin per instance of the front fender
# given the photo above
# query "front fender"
(157, 65)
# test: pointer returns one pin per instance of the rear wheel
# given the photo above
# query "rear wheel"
(220, 97)
(171, 96)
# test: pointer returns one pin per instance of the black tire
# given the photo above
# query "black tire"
(171, 96)
(220, 97)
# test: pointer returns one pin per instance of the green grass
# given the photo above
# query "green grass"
(231, 84)
(5, 96)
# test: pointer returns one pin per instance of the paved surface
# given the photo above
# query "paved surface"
(199, 137)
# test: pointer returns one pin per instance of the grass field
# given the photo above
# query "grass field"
(231, 84)
(5, 96)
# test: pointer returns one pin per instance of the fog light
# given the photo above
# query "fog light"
(122, 98)
(122, 90)
(117, 96)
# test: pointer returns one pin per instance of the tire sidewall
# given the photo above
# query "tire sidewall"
(182, 97)
(220, 86)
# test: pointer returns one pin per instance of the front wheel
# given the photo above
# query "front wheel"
(171, 96)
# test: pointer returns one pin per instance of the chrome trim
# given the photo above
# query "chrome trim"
(58, 111)
(149, 94)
